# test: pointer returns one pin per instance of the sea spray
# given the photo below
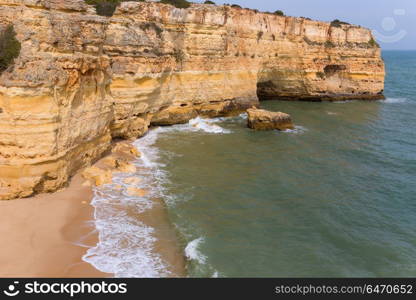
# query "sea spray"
(205, 125)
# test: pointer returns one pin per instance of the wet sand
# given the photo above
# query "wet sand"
(167, 244)
(48, 234)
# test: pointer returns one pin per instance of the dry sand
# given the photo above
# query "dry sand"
(39, 235)
(47, 235)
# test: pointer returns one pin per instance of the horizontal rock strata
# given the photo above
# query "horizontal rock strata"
(83, 79)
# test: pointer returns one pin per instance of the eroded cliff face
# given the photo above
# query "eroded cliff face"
(83, 79)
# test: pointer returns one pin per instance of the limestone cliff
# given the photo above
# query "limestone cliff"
(83, 79)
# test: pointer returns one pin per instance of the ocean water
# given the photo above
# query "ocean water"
(336, 197)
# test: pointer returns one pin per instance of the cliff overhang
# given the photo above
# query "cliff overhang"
(82, 79)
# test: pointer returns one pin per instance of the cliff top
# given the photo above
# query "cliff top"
(132, 7)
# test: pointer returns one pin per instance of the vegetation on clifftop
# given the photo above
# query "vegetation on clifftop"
(107, 7)
(9, 47)
(279, 13)
(338, 23)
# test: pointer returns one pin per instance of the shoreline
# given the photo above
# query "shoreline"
(129, 210)
(47, 235)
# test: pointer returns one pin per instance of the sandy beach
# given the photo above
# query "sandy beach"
(48, 234)
(167, 245)
(41, 235)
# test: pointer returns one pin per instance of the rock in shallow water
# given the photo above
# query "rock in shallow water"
(260, 119)
(120, 79)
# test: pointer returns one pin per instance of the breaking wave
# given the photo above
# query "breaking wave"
(192, 252)
(125, 246)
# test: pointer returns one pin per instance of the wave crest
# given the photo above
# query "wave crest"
(192, 252)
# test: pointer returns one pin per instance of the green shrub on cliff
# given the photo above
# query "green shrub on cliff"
(209, 2)
(9, 47)
(338, 23)
(107, 7)
(177, 3)
(279, 13)
(373, 44)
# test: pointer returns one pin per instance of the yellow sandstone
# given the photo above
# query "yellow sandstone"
(82, 79)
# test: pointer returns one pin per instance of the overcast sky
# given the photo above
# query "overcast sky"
(393, 20)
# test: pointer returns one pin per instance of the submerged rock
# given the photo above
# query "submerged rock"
(260, 119)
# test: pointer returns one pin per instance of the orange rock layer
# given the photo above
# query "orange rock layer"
(83, 79)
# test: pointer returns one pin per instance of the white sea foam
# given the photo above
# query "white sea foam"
(243, 116)
(342, 101)
(298, 130)
(395, 100)
(387, 100)
(125, 246)
(207, 125)
(197, 124)
(192, 252)
(216, 275)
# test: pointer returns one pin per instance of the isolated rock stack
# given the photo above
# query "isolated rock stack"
(260, 119)
(82, 79)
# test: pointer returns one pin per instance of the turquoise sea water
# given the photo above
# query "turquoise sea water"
(335, 197)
